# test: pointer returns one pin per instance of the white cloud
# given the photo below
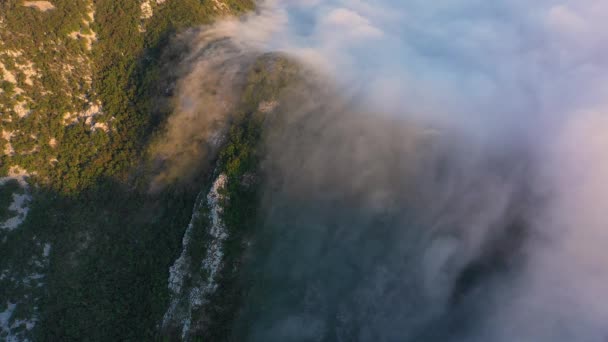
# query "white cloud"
(348, 22)
(526, 73)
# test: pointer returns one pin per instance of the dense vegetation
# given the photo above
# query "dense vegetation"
(120, 71)
(112, 242)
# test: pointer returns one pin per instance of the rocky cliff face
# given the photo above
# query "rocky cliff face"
(225, 95)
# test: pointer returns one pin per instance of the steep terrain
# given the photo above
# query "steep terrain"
(85, 248)
(205, 283)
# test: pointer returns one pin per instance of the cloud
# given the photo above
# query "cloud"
(350, 23)
(452, 187)
(508, 76)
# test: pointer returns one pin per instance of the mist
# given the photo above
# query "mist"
(451, 186)
(203, 90)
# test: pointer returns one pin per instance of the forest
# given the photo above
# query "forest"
(112, 241)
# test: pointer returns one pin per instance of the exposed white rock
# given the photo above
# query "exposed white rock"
(7, 75)
(5, 319)
(21, 109)
(102, 126)
(20, 201)
(182, 264)
(93, 110)
(27, 68)
(39, 5)
(46, 250)
(29, 71)
(91, 14)
(203, 287)
(8, 147)
(146, 10)
(19, 206)
(67, 68)
(218, 232)
(81, 65)
(177, 275)
(11, 329)
(220, 6)
(12, 53)
(17, 173)
(267, 106)
(90, 36)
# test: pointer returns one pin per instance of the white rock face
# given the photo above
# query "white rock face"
(90, 115)
(39, 5)
(19, 206)
(146, 10)
(21, 109)
(89, 38)
(47, 250)
(7, 75)
(220, 6)
(17, 173)
(8, 147)
(185, 300)
(218, 232)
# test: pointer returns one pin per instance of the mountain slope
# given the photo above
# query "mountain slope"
(85, 249)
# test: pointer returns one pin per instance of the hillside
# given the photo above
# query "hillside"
(85, 246)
